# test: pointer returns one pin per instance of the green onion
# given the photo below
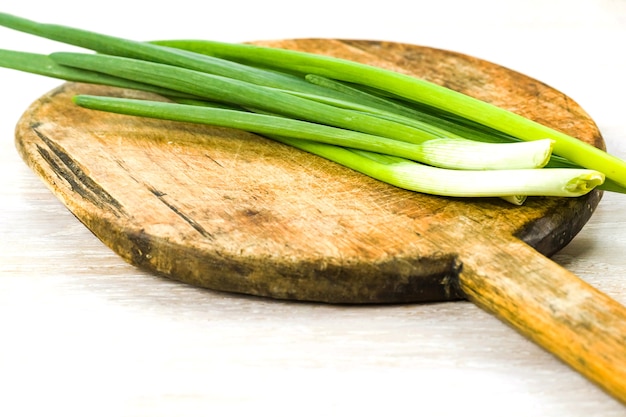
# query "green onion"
(447, 154)
(400, 172)
(454, 183)
(417, 90)
(111, 45)
(145, 51)
(392, 127)
(443, 152)
(389, 108)
(43, 65)
(223, 89)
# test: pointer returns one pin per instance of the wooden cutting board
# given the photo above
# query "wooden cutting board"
(232, 211)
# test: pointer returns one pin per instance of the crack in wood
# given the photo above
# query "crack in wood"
(188, 219)
(69, 170)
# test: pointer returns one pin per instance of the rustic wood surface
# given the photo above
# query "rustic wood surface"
(86, 333)
(232, 211)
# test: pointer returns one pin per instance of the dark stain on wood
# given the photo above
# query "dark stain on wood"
(80, 182)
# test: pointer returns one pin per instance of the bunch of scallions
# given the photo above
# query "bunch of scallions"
(393, 127)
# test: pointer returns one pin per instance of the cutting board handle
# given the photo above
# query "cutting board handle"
(579, 324)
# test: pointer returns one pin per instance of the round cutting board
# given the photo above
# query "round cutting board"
(233, 211)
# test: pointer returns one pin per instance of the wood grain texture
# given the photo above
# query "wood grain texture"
(232, 211)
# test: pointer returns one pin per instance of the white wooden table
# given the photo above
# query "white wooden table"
(84, 334)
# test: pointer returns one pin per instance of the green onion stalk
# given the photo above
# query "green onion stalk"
(417, 90)
(397, 171)
(443, 153)
(392, 127)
